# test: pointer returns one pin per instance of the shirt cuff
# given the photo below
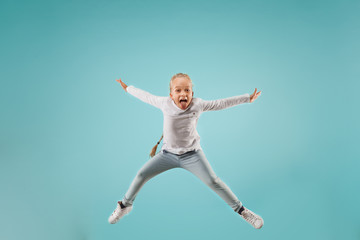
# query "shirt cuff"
(248, 95)
(127, 88)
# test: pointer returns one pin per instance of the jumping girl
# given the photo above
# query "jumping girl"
(181, 145)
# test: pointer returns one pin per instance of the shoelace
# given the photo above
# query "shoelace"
(115, 210)
(249, 216)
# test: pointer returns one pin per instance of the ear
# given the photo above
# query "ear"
(193, 94)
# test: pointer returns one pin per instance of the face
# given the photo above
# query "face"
(181, 92)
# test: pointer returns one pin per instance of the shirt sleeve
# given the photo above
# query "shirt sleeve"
(220, 104)
(146, 97)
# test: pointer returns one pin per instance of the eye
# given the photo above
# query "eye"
(177, 90)
(187, 90)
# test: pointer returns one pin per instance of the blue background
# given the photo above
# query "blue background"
(71, 140)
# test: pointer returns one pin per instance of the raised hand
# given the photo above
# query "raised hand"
(124, 86)
(254, 95)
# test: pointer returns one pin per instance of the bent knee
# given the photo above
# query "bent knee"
(142, 175)
(214, 181)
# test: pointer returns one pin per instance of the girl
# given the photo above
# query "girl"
(181, 146)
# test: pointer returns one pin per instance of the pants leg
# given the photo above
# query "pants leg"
(197, 164)
(156, 165)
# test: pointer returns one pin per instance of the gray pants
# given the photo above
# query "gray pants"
(193, 161)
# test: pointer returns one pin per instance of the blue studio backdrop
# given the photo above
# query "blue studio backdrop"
(72, 140)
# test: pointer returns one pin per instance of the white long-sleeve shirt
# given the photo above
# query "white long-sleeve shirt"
(179, 130)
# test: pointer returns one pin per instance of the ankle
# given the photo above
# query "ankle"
(241, 210)
(121, 204)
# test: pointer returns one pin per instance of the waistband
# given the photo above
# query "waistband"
(192, 151)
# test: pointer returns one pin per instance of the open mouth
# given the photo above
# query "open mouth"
(183, 103)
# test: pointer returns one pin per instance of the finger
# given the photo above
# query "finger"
(253, 93)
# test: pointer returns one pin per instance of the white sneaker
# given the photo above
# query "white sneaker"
(255, 220)
(119, 213)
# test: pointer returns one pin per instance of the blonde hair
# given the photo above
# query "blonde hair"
(178, 75)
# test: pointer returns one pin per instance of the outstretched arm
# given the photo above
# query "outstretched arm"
(143, 95)
(220, 104)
